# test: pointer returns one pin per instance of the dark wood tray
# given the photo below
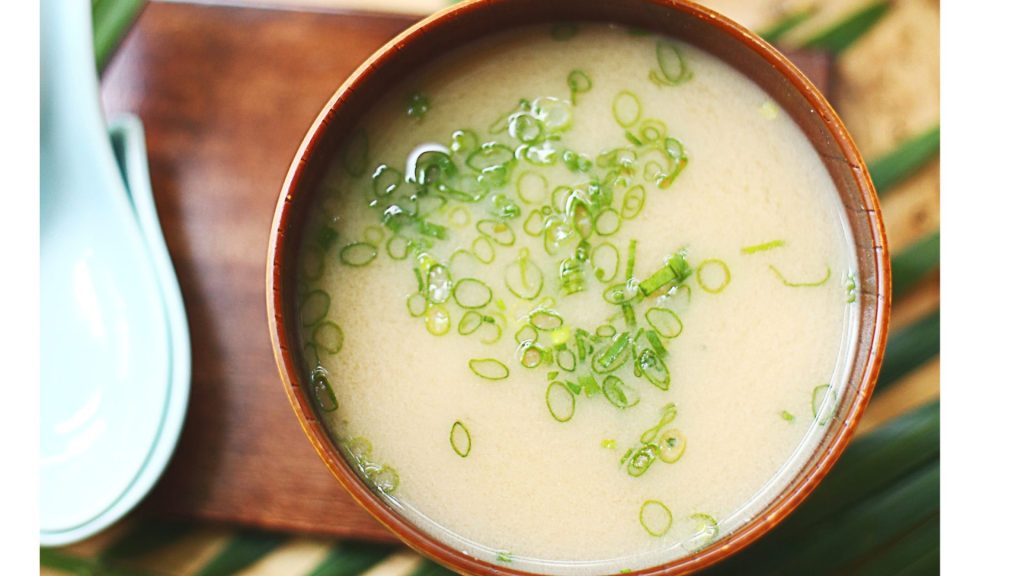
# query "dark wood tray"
(226, 95)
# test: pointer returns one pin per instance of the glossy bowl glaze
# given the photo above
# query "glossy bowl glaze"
(469, 21)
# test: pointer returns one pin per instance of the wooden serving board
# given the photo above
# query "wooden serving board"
(226, 95)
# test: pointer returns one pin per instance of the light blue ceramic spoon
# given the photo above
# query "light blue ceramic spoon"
(115, 362)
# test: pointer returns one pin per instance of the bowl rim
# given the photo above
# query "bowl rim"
(417, 538)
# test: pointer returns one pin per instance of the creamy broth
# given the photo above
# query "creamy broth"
(539, 469)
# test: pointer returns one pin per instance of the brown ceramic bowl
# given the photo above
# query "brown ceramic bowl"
(469, 21)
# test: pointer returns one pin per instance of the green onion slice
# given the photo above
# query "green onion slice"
(437, 320)
(605, 260)
(641, 459)
(705, 532)
(358, 254)
(327, 336)
(416, 304)
(762, 247)
(534, 224)
(614, 355)
(655, 517)
(459, 217)
(607, 222)
(471, 293)
(524, 278)
(626, 108)
(671, 445)
(823, 404)
(470, 322)
(653, 368)
(565, 359)
(673, 69)
(483, 249)
(464, 141)
(386, 180)
(322, 390)
(579, 83)
(561, 402)
(532, 355)
(383, 478)
(314, 307)
(527, 334)
(460, 439)
(545, 320)
(811, 284)
(620, 395)
(724, 277)
(488, 368)
(399, 247)
(499, 232)
(664, 321)
(633, 202)
(531, 187)
(359, 449)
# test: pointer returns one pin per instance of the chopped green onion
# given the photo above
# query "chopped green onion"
(327, 336)
(725, 276)
(359, 449)
(614, 355)
(664, 321)
(823, 404)
(417, 105)
(524, 278)
(437, 320)
(655, 342)
(672, 67)
(605, 331)
(483, 249)
(620, 395)
(499, 232)
(565, 359)
(464, 141)
(399, 247)
(314, 307)
(605, 260)
(851, 288)
(653, 368)
(787, 416)
(532, 188)
(607, 222)
(416, 304)
(762, 247)
(358, 254)
(706, 532)
(459, 217)
(626, 108)
(532, 355)
(570, 272)
(383, 478)
(579, 83)
(675, 271)
(527, 334)
(641, 459)
(633, 202)
(386, 180)
(655, 517)
(503, 556)
(374, 235)
(608, 444)
(561, 402)
(590, 385)
(460, 439)
(813, 284)
(471, 293)
(545, 320)
(668, 415)
(534, 224)
(471, 321)
(671, 446)
(322, 391)
(488, 368)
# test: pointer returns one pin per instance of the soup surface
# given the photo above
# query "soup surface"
(577, 299)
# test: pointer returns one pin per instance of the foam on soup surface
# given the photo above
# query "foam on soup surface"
(577, 299)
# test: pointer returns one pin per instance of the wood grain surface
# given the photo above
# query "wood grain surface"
(226, 95)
